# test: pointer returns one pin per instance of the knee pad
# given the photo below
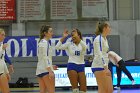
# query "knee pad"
(76, 90)
(82, 92)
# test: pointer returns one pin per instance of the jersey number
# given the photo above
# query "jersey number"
(77, 53)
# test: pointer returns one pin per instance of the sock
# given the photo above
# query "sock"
(76, 90)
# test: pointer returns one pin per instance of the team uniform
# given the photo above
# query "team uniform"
(117, 60)
(44, 58)
(3, 67)
(76, 54)
(100, 54)
(111, 58)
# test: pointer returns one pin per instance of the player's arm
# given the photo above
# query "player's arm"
(43, 55)
(11, 67)
(61, 46)
(98, 47)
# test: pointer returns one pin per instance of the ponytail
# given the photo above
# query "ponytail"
(97, 32)
(99, 27)
(43, 29)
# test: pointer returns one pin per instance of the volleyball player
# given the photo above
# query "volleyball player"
(100, 61)
(76, 66)
(45, 69)
(4, 73)
(120, 66)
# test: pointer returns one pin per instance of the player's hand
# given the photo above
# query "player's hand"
(55, 67)
(65, 33)
(4, 46)
(11, 69)
(8, 77)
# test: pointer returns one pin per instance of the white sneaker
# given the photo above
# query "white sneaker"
(118, 88)
(133, 82)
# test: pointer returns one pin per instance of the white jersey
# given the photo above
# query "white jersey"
(3, 66)
(112, 56)
(44, 57)
(100, 52)
(76, 52)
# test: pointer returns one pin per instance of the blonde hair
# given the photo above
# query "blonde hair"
(100, 26)
(1, 30)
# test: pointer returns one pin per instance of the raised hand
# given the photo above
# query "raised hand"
(65, 33)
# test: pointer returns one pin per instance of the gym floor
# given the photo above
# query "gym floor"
(36, 90)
